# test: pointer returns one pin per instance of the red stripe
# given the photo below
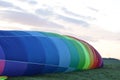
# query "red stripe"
(2, 65)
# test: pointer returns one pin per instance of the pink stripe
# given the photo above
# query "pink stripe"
(2, 64)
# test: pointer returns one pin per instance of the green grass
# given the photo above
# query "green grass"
(110, 71)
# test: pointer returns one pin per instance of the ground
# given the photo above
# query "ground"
(110, 71)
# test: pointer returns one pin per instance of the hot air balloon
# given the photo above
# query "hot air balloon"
(33, 52)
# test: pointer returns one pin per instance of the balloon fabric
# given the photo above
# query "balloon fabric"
(33, 52)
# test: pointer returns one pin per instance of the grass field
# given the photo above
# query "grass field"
(110, 71)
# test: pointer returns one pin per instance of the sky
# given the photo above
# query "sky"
(95, 21)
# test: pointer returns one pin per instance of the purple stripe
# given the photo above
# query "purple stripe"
(14, 68)
(2, 55)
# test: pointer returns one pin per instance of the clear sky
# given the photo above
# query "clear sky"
(95, 21)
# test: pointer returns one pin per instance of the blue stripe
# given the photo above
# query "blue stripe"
(51, 54)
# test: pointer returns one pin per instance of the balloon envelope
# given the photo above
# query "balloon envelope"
(33, 52)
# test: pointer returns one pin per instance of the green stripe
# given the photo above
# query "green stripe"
(91, 55)
(73, 52)
(87, 56)
(80, 53)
